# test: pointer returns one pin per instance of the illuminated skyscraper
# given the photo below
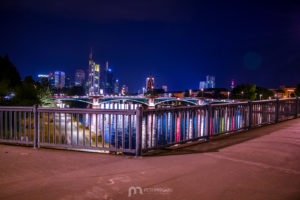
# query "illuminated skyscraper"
(59, 79)
(79, 77)
(232, 84)
(149, 83)
(94, 76)
(165, 88)
(210, 81)
(202, 85)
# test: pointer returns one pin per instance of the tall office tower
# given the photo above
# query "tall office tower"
(150, 83)
(79, 77)
(116, 87)
(68, 81)
(43, 79)
(94, 76)
(124, 90)
(232, 84)
(59, 79)
(109, 81)
(51, 79)
(210, 81)
(202, 85)
(165, 88)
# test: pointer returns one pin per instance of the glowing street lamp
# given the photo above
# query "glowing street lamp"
(202, 91)
(228, 94)
(260, 96)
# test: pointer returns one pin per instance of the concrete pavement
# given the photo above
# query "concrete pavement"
(263, 163)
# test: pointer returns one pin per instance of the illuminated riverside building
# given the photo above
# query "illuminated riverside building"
(149, 83)
(94, 77)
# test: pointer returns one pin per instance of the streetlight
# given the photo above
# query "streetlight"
(242, 94)
(202, 91)
(228, 94)
(260, 96)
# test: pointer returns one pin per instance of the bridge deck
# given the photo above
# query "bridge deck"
(263, 163)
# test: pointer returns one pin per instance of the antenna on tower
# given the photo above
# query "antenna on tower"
(91, 54)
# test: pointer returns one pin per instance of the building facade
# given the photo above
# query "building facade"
(149, 83)
(79, 77)
(94, 77)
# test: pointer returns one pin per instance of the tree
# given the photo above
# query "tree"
(44, 96)
(26, 94)
(264, 92)
(186, 93)
(9, 76)
(244, 91)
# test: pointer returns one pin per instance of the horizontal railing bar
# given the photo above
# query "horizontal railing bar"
(16, 108)
(15, 141)
(87, 147)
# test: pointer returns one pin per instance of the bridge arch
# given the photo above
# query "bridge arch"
(128, 100)
(176, 100)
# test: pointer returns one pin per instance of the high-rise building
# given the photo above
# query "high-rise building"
(210, 81)
(124, 90)
(43, 79)
(232, 84)
(165, 88)
(51, 79)
(68, 81)
(116, 88)
(59, 79)
(79, 77)
(149, 83)
(94, 76)
(202, 85)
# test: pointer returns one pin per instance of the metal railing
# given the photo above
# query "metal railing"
(169, 126)
(136, 131)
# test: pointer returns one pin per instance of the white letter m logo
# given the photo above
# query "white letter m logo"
(134, 189)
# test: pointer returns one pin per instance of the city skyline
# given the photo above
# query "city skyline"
(179, 42)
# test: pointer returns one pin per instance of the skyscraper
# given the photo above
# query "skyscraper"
(202, 85)
(165, 88)
(150, 83)
(210, 81)
(94, 76)
(59, 79)
(116, 88)
(68, 81)
(79, 77)
(51, 79)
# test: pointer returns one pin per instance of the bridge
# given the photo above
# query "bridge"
(146, 101)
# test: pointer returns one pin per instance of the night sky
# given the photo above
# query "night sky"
(179, 42)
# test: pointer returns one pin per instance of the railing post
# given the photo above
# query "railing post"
(250, 114)
(209, 115)
(36, 137)
(296, 107)
(138, 134)
(277, 110)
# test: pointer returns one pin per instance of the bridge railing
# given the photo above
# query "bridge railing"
(136, 131)
(169, 126)
(89, 129)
